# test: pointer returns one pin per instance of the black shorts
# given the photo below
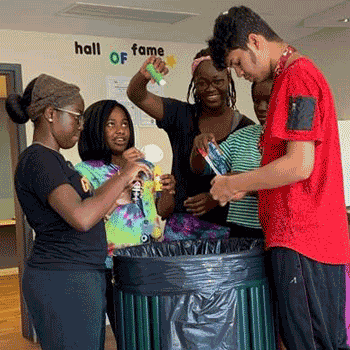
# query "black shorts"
(309, 301)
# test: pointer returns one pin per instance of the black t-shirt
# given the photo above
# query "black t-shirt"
(57, 245)
(180, 124)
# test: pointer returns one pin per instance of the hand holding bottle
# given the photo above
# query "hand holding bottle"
(132, 171)
(158, 64)
(168, 183)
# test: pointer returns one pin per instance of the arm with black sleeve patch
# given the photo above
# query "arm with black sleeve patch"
(294, 107)
(301, 113)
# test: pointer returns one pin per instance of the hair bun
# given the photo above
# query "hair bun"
(16, 109)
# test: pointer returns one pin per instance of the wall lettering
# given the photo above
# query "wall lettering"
(147, 50)
(118, 58)
(93, 49)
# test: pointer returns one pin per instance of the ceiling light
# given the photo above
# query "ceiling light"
(92, 11)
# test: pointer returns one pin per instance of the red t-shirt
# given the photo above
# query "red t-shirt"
(308, 216)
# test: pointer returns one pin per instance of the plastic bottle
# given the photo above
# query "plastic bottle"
(158, 77)
(157, 233)
(157, 173)
(136, 192)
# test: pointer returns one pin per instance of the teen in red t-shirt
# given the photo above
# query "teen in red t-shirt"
(300, 182)
(308, 216)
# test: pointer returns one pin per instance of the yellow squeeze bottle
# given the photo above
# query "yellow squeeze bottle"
(157, 233)
(157, 173)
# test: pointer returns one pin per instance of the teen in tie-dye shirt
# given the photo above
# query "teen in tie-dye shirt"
(106, 144)
(128, 221)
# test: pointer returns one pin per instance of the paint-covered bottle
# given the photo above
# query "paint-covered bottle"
(157, 232)
(136, 192)
(157, 184)
(158, 77)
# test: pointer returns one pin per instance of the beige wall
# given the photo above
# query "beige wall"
(55, 54)
(7, 205)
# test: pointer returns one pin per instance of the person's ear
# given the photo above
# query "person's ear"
(254, 41)
(48, 114)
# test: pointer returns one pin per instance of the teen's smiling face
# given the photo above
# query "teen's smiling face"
(117, 131)
(211, 85)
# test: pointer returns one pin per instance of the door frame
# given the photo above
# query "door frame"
(24, 234)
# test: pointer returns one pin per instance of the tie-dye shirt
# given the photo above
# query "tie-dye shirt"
(128, 222)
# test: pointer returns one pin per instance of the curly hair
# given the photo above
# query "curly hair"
(191, 92)
(92, 144)
(231, 32)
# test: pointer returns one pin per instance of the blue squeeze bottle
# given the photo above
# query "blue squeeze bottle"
(217, 159)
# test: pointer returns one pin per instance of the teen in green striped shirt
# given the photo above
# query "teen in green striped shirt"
(241, 154)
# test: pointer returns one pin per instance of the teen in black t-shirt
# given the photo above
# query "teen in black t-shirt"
(64, 279)
(196, 214)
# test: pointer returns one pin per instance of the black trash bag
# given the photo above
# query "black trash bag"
(198, 284)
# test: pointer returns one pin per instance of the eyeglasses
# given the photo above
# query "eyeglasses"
(204, 84)
(77, 116)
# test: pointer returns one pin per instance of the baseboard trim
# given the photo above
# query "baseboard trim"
(8, 272)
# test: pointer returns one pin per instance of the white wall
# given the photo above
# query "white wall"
(344, 135)
(55, 54)
(329, 49)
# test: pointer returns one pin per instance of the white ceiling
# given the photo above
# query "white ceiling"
(291, 19)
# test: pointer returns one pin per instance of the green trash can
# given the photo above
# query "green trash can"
(191, 295)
